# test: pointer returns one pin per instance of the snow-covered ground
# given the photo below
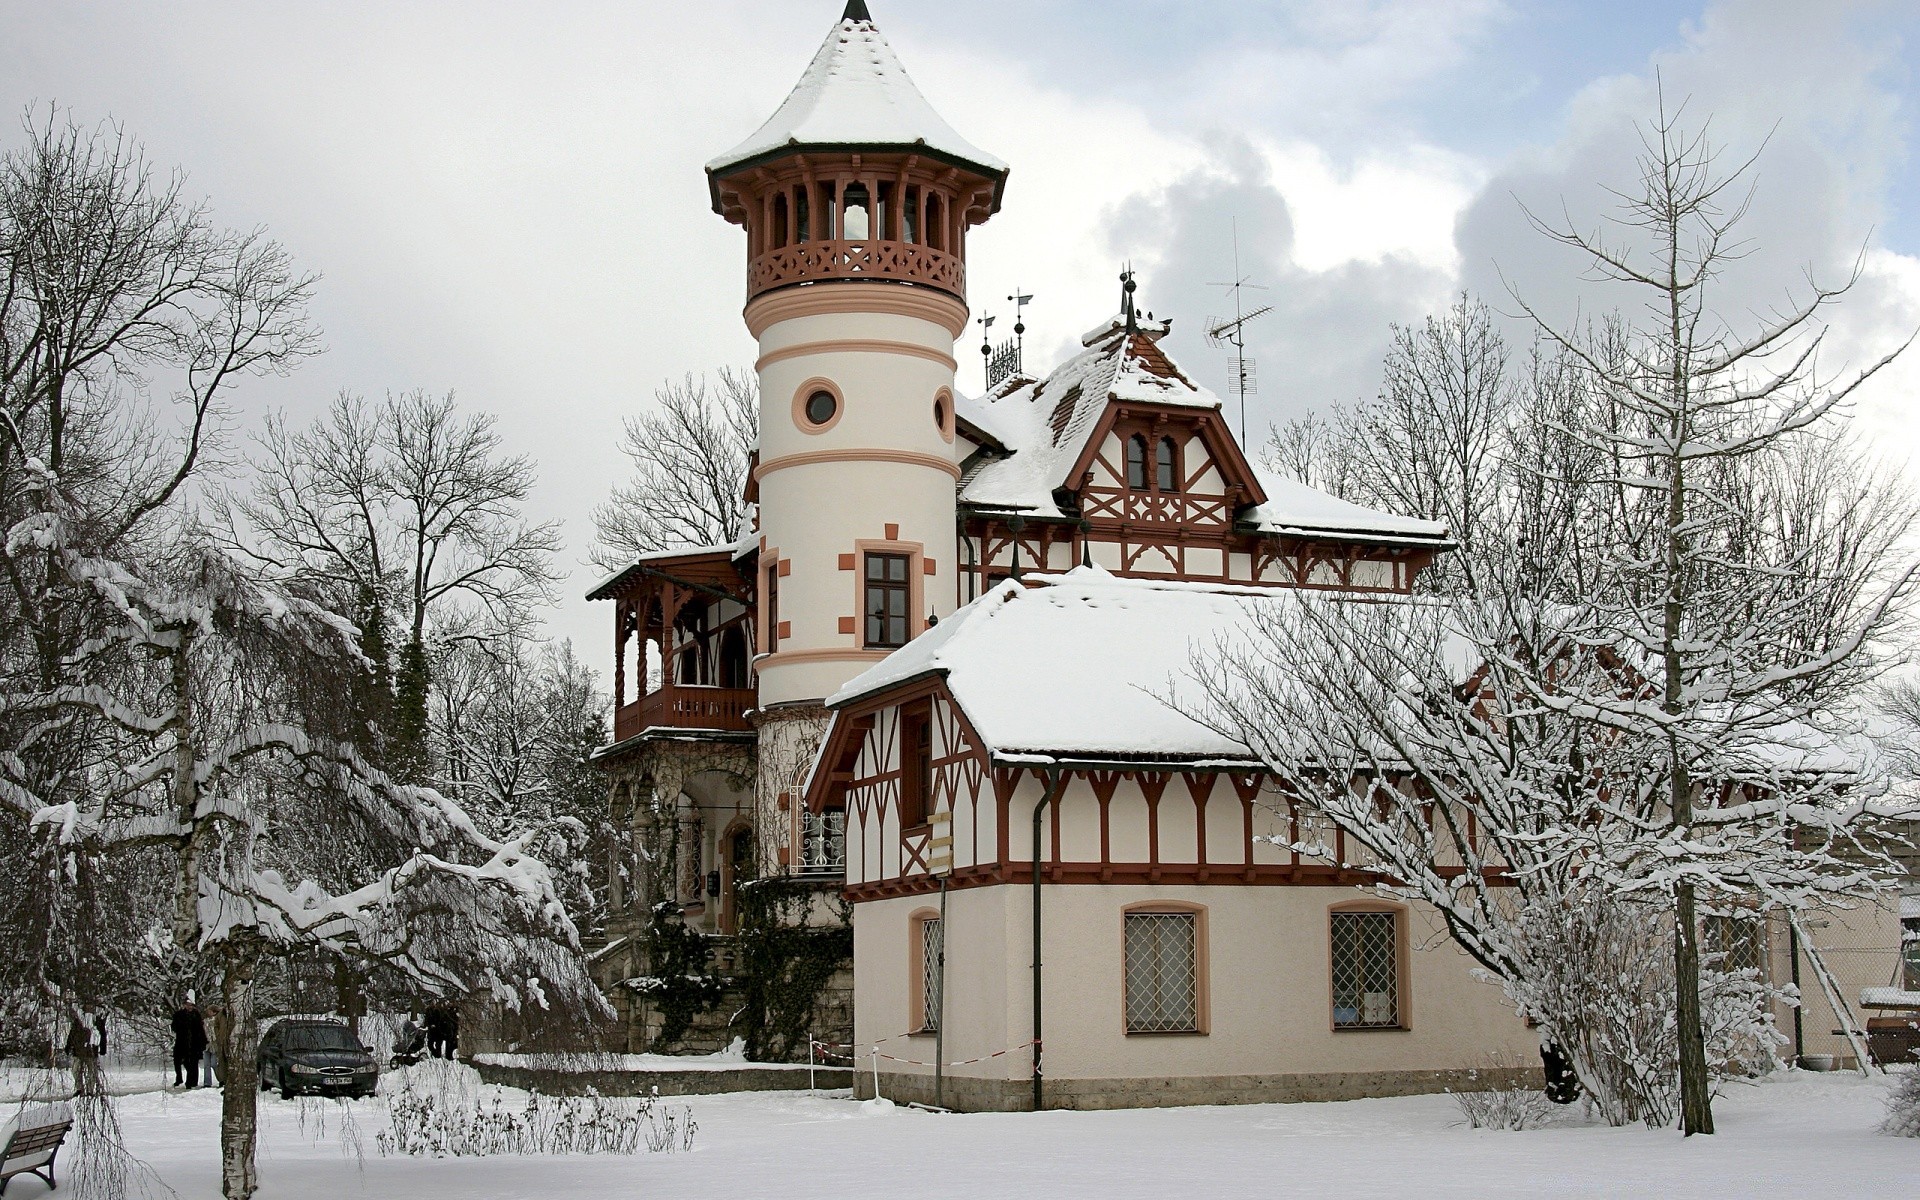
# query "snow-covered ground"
(1796, 1135)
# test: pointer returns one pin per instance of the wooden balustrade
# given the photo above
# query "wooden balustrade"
(684, 707)
(822, 260)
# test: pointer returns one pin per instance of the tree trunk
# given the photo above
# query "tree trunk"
(1696, 1097)
(186, 801)
(240, 1089)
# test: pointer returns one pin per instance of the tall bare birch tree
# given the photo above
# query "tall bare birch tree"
(1642, 686)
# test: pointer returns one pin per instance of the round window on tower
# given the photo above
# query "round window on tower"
(943, 413)
(817, 405)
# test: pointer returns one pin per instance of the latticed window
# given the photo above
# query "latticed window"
(823, 841)
(889, 591)
(1162, 973)
(932, 952)
(1738, 943)
(1366, 979)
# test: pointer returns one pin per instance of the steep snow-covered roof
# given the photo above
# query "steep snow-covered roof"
(1036, 672)
(1047, 424)
(856, 93)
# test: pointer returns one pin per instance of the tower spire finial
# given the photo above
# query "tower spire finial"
(857, 11)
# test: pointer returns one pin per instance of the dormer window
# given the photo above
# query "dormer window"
(1167, 465)
(1137, 463)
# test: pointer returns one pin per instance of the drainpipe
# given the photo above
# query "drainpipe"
(1050, 796)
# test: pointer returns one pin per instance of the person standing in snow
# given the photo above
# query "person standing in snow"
(441, 1030)
(189, 1042)
(80, 1035)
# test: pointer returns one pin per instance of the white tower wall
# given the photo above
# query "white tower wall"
(880, 476)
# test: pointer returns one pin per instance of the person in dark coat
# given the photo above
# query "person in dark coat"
(189, 1043)
(437, 1014)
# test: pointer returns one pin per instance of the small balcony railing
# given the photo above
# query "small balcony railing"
(685, 707)
(907, 262)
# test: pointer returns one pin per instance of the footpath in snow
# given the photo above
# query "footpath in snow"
(1795, 1135)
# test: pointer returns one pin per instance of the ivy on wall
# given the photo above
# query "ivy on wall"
(786, 964)
(680, 986)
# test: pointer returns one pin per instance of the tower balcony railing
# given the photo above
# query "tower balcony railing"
(808, 262)
(685, 706)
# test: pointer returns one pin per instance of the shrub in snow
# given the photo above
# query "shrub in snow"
(439, 1108)
(1600, 982)
(1903, 1106)
(1501, 1107)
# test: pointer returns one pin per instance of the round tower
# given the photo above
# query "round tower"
(856, 197)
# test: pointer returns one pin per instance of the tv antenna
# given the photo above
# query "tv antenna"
(1231, 332)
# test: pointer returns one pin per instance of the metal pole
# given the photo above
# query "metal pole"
(1799, 1008)
(940, 1004)
(1050, 795)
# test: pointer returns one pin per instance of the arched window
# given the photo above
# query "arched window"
(1137, 463)
(1167, 466)
(858, 214)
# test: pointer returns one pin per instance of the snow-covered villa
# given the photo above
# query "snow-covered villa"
(936, 657)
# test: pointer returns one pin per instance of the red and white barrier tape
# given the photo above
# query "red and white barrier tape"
(914, 1062)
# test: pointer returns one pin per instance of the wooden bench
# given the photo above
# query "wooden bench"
(33, 1140)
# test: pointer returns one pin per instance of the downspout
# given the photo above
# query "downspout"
(1050, 796)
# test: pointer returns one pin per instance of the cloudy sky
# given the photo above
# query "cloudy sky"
(506, 199)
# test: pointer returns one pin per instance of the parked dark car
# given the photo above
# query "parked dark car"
(307, 1055)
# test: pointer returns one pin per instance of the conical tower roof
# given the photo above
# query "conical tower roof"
(856, 96)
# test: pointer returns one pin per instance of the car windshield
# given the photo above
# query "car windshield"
(321, 1037)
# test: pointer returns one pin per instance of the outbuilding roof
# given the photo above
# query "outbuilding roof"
(1076, 668)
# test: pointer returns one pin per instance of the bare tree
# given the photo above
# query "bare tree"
(1721, 618)
(1642, 684)
(128, 317)
(412, 506)
(219, 693)
(690, 454)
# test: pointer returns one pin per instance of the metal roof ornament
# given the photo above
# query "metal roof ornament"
(857, 11)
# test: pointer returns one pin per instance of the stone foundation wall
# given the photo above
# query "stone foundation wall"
(1002, 1095)
(613, 1082)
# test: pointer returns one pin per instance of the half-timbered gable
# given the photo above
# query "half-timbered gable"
(1118, 459)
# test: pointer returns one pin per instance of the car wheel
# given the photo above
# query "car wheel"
(266, 1084)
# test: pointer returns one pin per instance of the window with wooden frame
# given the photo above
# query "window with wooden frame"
(1366, 969)
(889, 599)
(1137, 462)
(1167, 465)
(1162, 970)
(916, 763)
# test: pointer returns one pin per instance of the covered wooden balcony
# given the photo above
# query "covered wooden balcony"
(683, 640)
